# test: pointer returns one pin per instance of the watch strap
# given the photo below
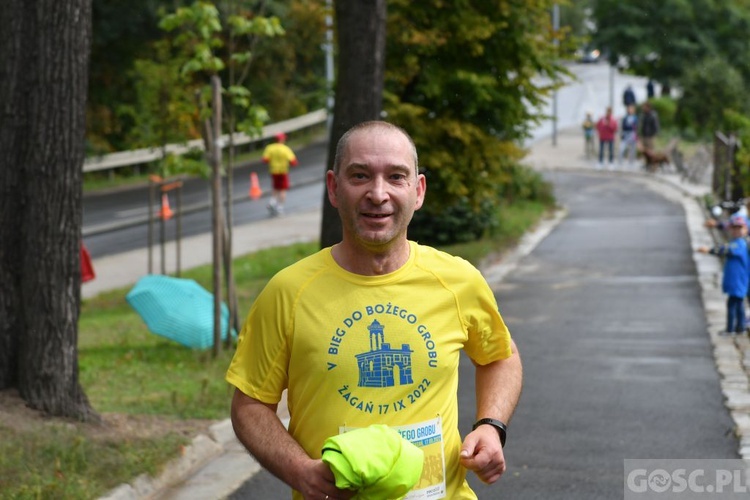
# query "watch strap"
(501, 428)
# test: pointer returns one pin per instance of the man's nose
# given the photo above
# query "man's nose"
(378, 190)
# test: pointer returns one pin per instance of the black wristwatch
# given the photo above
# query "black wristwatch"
(501, 428)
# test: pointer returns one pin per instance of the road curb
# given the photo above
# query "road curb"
(192, 457)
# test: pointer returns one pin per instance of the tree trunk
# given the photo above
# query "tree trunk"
(44, 49)
(218, 216)
(361, 27)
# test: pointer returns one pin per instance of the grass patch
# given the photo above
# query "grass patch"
(125, 368)
(127, 371)
(63, 462)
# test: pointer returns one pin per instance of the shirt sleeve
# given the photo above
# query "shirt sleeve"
(488, 337)
(260, 365)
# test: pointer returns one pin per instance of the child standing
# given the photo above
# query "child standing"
(735, 281)
(588, 134)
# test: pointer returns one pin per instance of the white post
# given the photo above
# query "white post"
(329, 61)
(556, 28)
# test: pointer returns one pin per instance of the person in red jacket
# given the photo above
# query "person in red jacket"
(606, 127)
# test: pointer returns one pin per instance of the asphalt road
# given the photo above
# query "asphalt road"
(116, 221)
(608, 318)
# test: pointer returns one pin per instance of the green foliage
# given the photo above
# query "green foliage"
(199, 35)
(526, 185)
(288, 73)
(458, 223)
(164, 108)
(122, 33)
(666, 110)
(461, 223)
(192, 163)
(204, 41)
(511, 221)
(739, 124)
(708, 89)
(462, 78)
(664, 39)
(573, 14)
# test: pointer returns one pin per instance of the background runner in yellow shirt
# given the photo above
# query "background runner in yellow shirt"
(279, 157)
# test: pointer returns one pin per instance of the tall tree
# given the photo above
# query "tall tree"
(44, 46)
(466, 79)
(123, 31)
(664, 39)
(361, 27)
(288, 73)
(198, 36)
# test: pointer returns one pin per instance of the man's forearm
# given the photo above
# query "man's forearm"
(498, 387)
(260, 430)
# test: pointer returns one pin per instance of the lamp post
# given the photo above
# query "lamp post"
(612, 69)
(556, 43)
(329, 62)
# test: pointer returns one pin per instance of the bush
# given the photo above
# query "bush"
(709, 88)
(526, 184)
(666, 109)
(455, 224)
(461, 223)
(739, 124)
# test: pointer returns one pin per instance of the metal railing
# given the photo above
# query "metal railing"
(145, 155)
(725, 182)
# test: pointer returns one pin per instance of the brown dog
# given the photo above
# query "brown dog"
(655, 159)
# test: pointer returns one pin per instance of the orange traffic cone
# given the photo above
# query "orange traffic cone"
(165, 213)
(255, 191)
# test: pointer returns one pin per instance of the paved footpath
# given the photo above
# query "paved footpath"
(215, 465)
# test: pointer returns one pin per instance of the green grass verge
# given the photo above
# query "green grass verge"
(128, 370)
(63, 462)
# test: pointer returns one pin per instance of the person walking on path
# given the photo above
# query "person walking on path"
(649, 126)
(736, 274)
(588, 134)
(629, 135)
(628, 97)
(369, 331)
(279, 157)
(606, 127)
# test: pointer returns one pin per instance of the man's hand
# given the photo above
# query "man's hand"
(482, 453)
(317, 483)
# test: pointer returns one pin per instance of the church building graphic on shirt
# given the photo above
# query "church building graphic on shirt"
(383, 365)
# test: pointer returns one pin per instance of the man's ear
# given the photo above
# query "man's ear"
(331, 183)
(421, 190)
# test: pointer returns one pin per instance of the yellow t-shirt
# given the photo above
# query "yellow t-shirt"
(360, 350)
(278, 156)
